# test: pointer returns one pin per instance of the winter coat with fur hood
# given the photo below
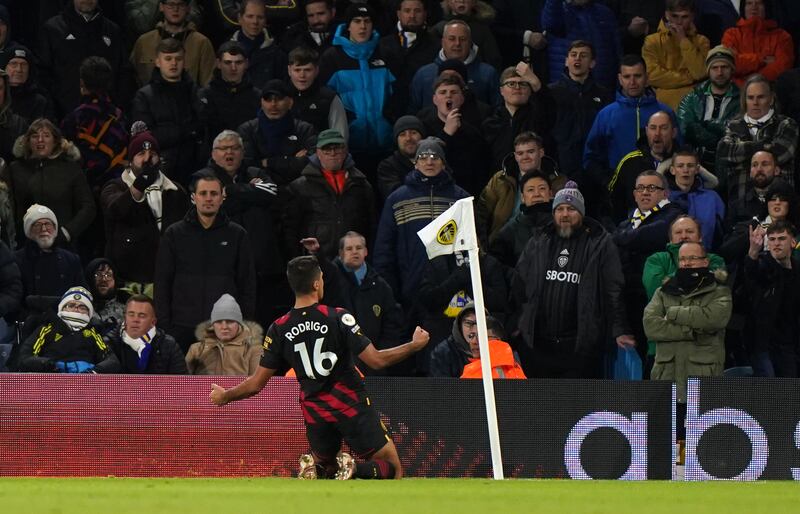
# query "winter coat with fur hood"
(239, 356)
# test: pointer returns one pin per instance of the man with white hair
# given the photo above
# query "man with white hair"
(67, 342)
(47, 269)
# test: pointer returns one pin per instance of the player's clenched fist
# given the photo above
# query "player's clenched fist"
(217, 395)
(420, 338)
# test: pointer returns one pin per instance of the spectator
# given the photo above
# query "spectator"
(500, 199)
(30, 100)
(758, 127)
(47, 269)
(676, 53)
(636, 20)
(140, 346)
(10, 283)
(569, 284)
(356, 70)
(252, 201)
(503, 360)
(170, 106)
(758, 44)
(465, 148)
(518, 30)
(577, 97)
(275, 140)
(689, 189)
(193, 266)
(428, 191)
(645, 232)
(703, 113)
(526, 106)
(97, 127)
(67, 39)
(230, 99)
(266, 61)
(101, 279)
(138, 207)
(478, 15)
(392, 171)
(617, 127)
(47, 172)
(686, 318)
(473, 111)
(457, 44)
(772, 283)
(407, 49)
(142, 15)
(314, 102)
(199, 53)
(79, 348)
(535, 211)
(330, 198)
(449, 356)
(227, 345)
(12, 125)
(589, 20)
(316, 31)
(713, 17)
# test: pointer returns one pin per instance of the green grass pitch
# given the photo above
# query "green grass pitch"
(418, 496)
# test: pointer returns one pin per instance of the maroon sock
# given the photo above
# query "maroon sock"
(375, 470)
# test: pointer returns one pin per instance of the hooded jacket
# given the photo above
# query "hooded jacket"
(229, 105)
(752, 40)
(689, 329)
(673, 67)
(704, 205)
(56, 181)
(449, 356)
(501, 359)
(361, 77)
(199, 55)
(239, 356)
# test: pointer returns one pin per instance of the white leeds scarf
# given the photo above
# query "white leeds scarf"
(153, 192)
(140, 343)
(754, 124)
(639, 216)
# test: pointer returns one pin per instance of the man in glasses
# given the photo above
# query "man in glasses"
(330, 198)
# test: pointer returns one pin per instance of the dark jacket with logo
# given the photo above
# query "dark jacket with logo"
(313, 105)
(229, 105)
(284, 166)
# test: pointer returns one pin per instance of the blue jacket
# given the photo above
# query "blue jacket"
(482, 80)
(617, 129)
(399, 255)
(595, 23)
(364, 83)
(705, 206)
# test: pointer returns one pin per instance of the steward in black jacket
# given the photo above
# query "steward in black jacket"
(229, 105)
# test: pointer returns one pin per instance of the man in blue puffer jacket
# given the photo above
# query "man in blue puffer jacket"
(567, 20)
(354, 69)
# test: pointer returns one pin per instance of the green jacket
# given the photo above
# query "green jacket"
(700, 133)
(662, 265)
(689, 330)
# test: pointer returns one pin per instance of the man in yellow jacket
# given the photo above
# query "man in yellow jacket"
(675, 55)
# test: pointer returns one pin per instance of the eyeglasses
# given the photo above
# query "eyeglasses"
(332, 149)
(76, 307)
(469, 323)
(691, 259)
(428, 156)
(652, 188)
(516, 84)
(41, 225)
(228, 148)
(104, 274)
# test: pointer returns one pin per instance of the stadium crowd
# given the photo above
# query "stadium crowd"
(633, 165)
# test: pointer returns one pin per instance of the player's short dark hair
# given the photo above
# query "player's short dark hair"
(245, 3)
(230, 47)
(141, 298)
(301, 272)
(303, 55)
(449, 80)
(496, 326)
(632, 60)
(581, 43)
(204, 175)
(679, 5)
(528, 136)
(776, 227)
(169, 45)
(96, 74)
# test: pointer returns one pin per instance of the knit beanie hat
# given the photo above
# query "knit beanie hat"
(141, 139)
(720, 53)
(226, 308)
(77, 294)
(431, 145)
(408, 122)
(16, 51)
(356, 10)
(570, 195)
(34, 213)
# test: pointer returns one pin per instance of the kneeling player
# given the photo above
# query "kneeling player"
(319, 343)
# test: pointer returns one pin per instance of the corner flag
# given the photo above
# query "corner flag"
(452, 231)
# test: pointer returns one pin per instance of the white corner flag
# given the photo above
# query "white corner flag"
(454, 230)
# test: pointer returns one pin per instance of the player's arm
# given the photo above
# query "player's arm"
(250, 387)
(378, 359)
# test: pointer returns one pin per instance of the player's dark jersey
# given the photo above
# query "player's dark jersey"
(319, 343)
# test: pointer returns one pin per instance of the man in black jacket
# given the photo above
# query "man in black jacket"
(170, 106)
(199, 259)
(66, 40)
(230, 98)
(316, 31)
(314, 102)
(408, 132)
(30, 100)
(140, 347)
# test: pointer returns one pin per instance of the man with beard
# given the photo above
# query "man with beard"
(47, 270)
(703, 113)
(407, 49)
(316, 31)
(408, 132)
(102, 283)
(568, 284)
(764, 170)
